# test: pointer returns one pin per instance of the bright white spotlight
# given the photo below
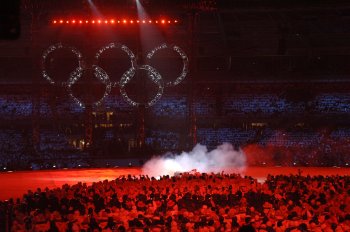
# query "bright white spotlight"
(94, 8)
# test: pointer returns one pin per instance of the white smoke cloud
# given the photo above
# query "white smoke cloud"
(223, 158)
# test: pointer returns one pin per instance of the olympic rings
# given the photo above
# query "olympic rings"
(121, 47)
(102, 76)
(75, 74)
(153, 74)
(183, 56)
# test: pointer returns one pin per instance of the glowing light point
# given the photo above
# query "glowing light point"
(113, 21)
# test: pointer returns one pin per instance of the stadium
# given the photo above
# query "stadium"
(188, 115)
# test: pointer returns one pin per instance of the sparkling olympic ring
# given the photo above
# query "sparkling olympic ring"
(178, 50)
(121, 47)
(153, 74)
(102, 76)
(77, 73)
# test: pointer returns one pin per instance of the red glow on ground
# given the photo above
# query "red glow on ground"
(15, 184)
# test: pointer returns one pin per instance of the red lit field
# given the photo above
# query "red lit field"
(15, 184)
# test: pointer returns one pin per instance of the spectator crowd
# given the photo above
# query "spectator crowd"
(188, 202)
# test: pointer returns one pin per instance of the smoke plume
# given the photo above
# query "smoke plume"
(223, 158)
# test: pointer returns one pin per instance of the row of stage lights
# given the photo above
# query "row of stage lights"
(113, 21)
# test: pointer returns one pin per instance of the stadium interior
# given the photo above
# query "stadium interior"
(112, 83)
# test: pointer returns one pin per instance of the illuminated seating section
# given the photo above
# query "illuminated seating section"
(205, 106)
(164, 140)
(254, 103)
(342, 134)
(332, 103)
(170, 106)
(213, 137)
(51, 141)
(289, 139)
(116, 103)
(15, 144)
(15, 106)
(13, 147)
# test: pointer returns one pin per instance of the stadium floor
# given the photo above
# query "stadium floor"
(15, 184)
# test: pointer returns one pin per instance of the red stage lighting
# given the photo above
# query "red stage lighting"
(114, 21)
